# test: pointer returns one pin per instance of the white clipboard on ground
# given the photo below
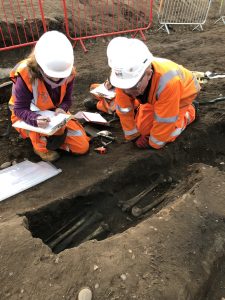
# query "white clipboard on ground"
(23, 176)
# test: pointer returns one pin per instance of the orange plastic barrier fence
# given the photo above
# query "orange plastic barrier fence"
(96, 18)
(22, 22)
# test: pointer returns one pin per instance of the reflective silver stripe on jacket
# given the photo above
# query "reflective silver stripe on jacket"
(74, 132)
(43, 138)
(111, 107)
(187, 115)
(165, 120)
(197, 85)
(155, 141)
(164, 80)
(11, 107)
(130, 132)
(13, 89)
(35, 91)
(178, 131)
(180, 73)
(123, 110)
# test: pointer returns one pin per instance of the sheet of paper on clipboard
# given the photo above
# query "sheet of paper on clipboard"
(91, 117)
(57, 121)
(101, 90)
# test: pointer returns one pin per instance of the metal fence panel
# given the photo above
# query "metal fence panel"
(192, 12)
(23, 21)
(222, 12)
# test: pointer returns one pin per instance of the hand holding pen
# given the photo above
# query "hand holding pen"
(59, 111)
(43, 122)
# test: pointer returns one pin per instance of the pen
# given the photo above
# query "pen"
(44, 119)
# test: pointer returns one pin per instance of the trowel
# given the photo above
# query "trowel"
(95, 133)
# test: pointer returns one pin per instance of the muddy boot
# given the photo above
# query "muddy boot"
(85, 294)
(90, 103)
(48, 156)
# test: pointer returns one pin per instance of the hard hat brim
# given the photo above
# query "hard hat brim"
(124, 83)
(62, 74)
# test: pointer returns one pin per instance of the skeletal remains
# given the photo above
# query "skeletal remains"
(137, 211)
(127, 205)
(72, 233)
(102, 229)
(63, 238)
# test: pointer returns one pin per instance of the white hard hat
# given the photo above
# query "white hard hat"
(114, 47)
(129, 64)
(54, 54)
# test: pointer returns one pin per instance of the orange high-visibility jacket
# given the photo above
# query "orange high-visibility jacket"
(172, 88)
(41, 97)
(107, 105)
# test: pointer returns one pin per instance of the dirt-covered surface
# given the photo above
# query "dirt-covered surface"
(175, 250)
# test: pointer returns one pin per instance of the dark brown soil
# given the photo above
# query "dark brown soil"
(176, 250)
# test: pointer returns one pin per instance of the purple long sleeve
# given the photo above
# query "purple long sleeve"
(24, 98)
(22, 103)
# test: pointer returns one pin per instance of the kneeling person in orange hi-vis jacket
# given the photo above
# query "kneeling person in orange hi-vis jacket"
(164, 89)
(101, 102)
(46, 79)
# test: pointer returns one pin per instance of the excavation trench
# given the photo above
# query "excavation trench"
(129, 196)
(70, 222)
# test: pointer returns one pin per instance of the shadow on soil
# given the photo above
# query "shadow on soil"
(129, 196)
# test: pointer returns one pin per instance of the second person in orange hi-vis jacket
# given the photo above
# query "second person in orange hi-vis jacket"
(45, 80)
(165, 90)
(100, 102)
